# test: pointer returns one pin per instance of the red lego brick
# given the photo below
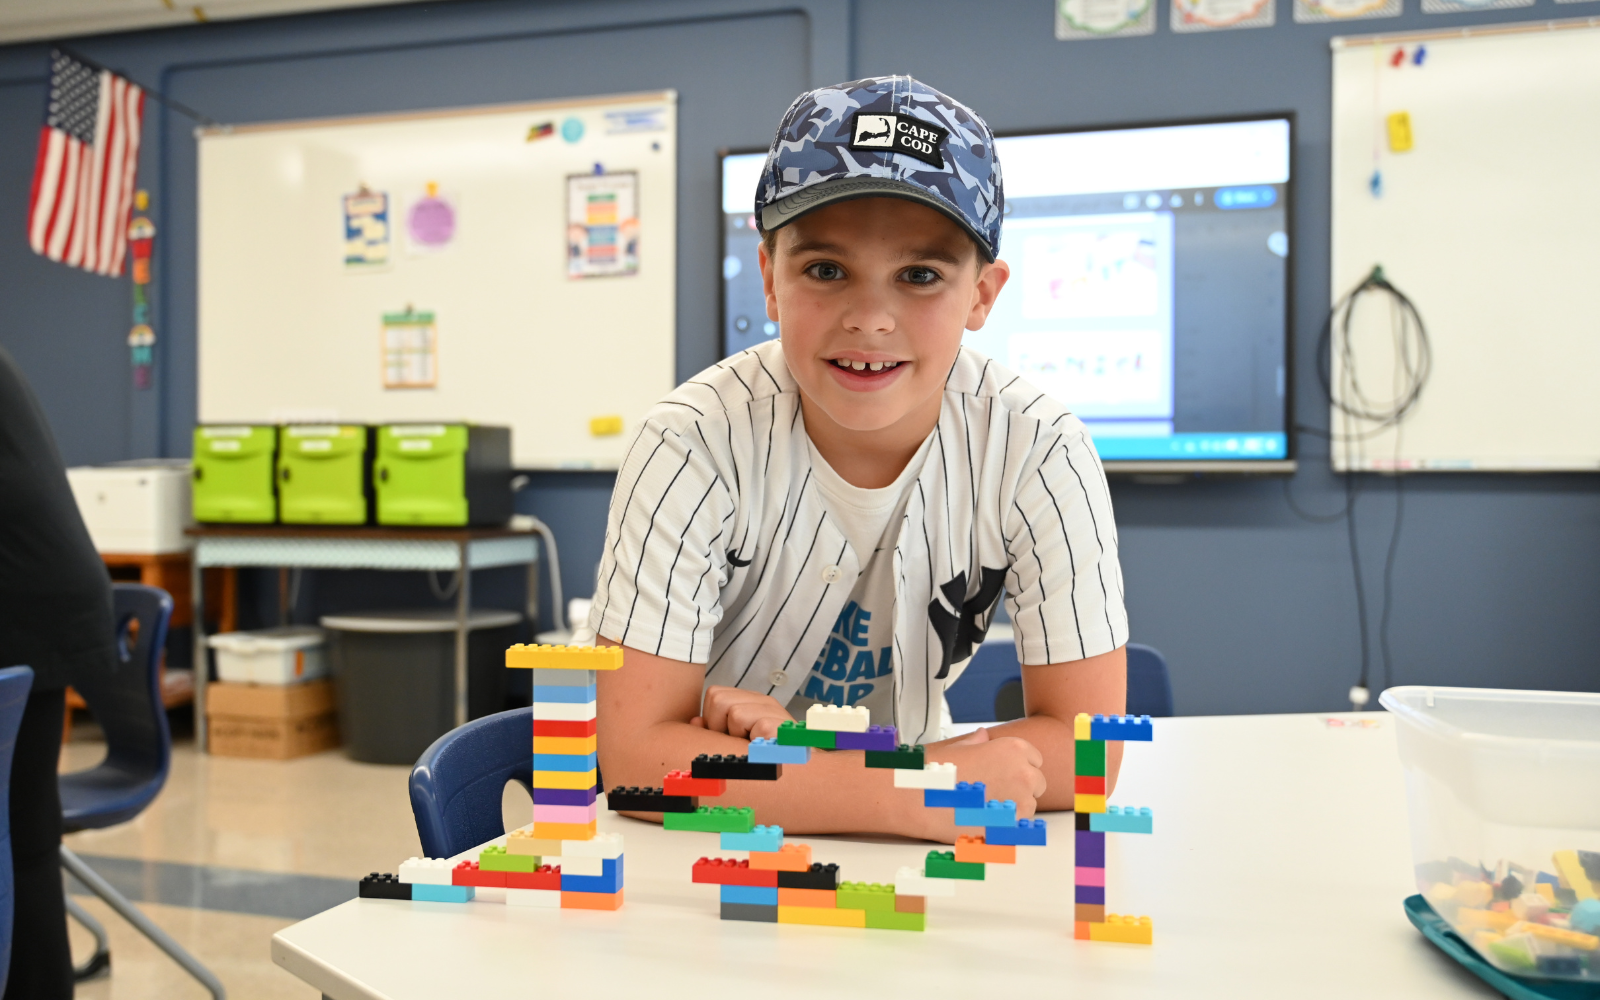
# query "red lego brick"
(558, 727)
(468, 873)
(682, 783)
(1087, 784)
(545, 878)
(727, 871)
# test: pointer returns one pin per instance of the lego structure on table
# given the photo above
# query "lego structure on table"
(1094, 819)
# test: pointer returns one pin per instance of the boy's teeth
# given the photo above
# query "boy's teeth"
(858, 365)
(876, 366)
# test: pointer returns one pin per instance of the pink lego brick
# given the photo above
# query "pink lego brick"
(1089, 876)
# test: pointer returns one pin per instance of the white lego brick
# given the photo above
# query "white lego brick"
(564, 712)
(603, 845)
(934, 774)
(426, 871)
(910, 882)
(578, 866)
(833, 718)
(548, 898)
(489, 894)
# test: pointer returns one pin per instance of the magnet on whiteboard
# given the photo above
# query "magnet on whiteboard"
(607, 426)
(1400, 132)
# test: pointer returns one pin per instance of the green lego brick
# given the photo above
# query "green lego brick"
(1090, 758)
(943, 864)
(907, 758)
(795, 734)
(495, 859)
(712, 819)
(891, 921)
(874, 896)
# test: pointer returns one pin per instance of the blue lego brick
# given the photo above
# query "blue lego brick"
(1117, 819)
(762, 838)
(751, 895)
(964, 796)
(1091, 894)
(772, 752)
(442, 893)
(993, 813)
(1026, 833)
(1089, 849)
(565, 796)
(564, 695)
(1120, 727)
(609, 881)
(565, 761)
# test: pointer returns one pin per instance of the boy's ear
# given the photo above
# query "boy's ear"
(766, 281)
(991, 279)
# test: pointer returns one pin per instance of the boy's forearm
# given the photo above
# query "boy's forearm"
(1055, 741)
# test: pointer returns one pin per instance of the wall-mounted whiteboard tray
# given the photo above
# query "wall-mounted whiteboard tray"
(454, 305)
(1488, 223)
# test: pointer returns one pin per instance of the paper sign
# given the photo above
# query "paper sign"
(1081, 19)
(1313, 11)
(1399, 132)
(366, 229)
(602, 225)
(1218, 15)
(410, 350)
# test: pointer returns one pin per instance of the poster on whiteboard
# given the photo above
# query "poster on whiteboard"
(602, 225)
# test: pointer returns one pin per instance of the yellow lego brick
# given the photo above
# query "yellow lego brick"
(825, 918)
(1573, 875)
(1089, 803)
(1556, 935)
(1469, 919)
(524, 842)
(1126, 930)
(565, 779)
(564, 831)
(1546, 890)
(1080, 726)
(528, 657)
(575, 745)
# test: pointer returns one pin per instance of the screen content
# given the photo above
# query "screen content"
(1148, 290)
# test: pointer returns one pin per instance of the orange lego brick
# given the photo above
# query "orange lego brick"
(789, 858)
(591, 900)
(976, 851)
(822, 899)
(563, 831)
(1080, 930)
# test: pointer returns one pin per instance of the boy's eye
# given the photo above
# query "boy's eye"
(921, 275)
(825, 271)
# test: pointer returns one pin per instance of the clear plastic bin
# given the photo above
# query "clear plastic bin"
(286, 655)
(1503, 789)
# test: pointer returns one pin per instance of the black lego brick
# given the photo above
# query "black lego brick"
(733, 768)
(819, 877)
(1081, 821)
(652, 800)
(376, 886)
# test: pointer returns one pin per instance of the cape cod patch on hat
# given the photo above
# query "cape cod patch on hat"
(900, 133)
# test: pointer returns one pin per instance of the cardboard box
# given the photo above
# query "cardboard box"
(271, 721)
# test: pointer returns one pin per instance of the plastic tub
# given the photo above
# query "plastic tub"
(1503, 789)
(285, 655)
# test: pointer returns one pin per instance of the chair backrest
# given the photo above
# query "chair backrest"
(14, 685)
(457, 783)
(990, 689)
(1149, 686)
(127, 703)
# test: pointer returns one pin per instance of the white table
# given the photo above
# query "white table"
(1277, 869)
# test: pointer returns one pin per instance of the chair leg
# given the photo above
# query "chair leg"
(114, 899)
(99, 963)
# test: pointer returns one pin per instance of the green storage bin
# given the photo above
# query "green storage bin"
(324, 474)
(234, 480)
(443, 475)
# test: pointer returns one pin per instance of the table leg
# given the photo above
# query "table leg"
(284, 611)
(202, 667)
(463, 610)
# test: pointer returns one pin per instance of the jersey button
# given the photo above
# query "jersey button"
(777, 678)
(831, 574)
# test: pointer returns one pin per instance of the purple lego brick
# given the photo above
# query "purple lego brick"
(875, 738)
(1092, 894)
(564, 796)
(1090, 849)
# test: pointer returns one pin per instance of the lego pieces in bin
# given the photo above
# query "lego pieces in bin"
(1573, 874)
(383, 886)
(763, 751)
(731, 767)
(635, 799)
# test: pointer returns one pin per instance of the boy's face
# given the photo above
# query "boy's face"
(872, 296)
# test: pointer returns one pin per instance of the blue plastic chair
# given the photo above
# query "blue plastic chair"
(15, 682)
(990, 689)
(126, 703)
(457, 783)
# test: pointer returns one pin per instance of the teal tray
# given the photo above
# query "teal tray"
(1448, 941)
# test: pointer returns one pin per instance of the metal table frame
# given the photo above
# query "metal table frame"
(295, 547)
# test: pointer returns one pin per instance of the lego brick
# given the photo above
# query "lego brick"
(1120, 819)
(1089, 849)
(787, 858)
(1089, 803)
(1128, 728)
(772, 752)
(547, 878)
(432, 871)
(553, 695)
(1080, 930)
(737, 768)
(544, 657)
(712, 819)
(1126, 930)
(383, 886)
(1089, 913)
(609, 881)
(994, 813)
(1027, 833)
(563, 727)
(745, 911)
(910, 882)
(1081, 724)
(565, 779)
(563, 712)
(578, 866)
(877, 738)
(821, 917)
(565, 796)
(796, 734)
(838, 719)
(684, 783)
(877, 896)
(904, 756)
(1082, 784)
(753, 895)
(762, 838)
(591, 900)
(823, 898)
(820, 876)
(524, 842)
(936, 776)
(563, 831)
(636, 799)
(469, 873)
(893, 920)
(943, 864)
(565, 763)
(566, 744)
(966, 795)
(728, 871)
(563, 678)
(1564, 936)
(1572, 874)
(977, 851)
(496, 859)
(1095, 894)
(911, 904)
(602, 845)
(1089, 758)
(442, 893)
(549, 899)
(564, 814)
(1089, 875)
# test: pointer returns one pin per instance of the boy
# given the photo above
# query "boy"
(832, 516)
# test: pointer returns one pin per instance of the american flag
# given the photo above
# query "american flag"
(83, 178)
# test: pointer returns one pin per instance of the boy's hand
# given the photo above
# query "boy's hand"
(1011, 768)
(741, 713)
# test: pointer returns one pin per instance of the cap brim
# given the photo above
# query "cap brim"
(785, 210)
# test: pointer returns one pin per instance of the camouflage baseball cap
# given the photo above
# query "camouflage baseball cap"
(885, 135)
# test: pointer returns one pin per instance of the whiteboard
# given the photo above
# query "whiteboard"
(1489, 225)
(290, 330)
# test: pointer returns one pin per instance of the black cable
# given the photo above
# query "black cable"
(1388, 577)
(1306, 515)
(1351, 492)
(1351, 400)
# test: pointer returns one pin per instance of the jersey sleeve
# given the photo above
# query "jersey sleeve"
(1064, 583)
(664, 565)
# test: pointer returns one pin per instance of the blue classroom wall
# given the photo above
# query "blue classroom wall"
(1495, 577)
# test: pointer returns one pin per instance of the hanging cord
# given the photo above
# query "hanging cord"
(440, 591)
(154, 95)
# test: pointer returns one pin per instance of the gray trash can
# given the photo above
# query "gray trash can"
(394, 672)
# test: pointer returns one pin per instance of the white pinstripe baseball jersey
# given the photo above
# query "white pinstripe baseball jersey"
(720, 550)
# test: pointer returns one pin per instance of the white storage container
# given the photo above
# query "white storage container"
(271, 655)
(134, 508)
(1503, 789)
